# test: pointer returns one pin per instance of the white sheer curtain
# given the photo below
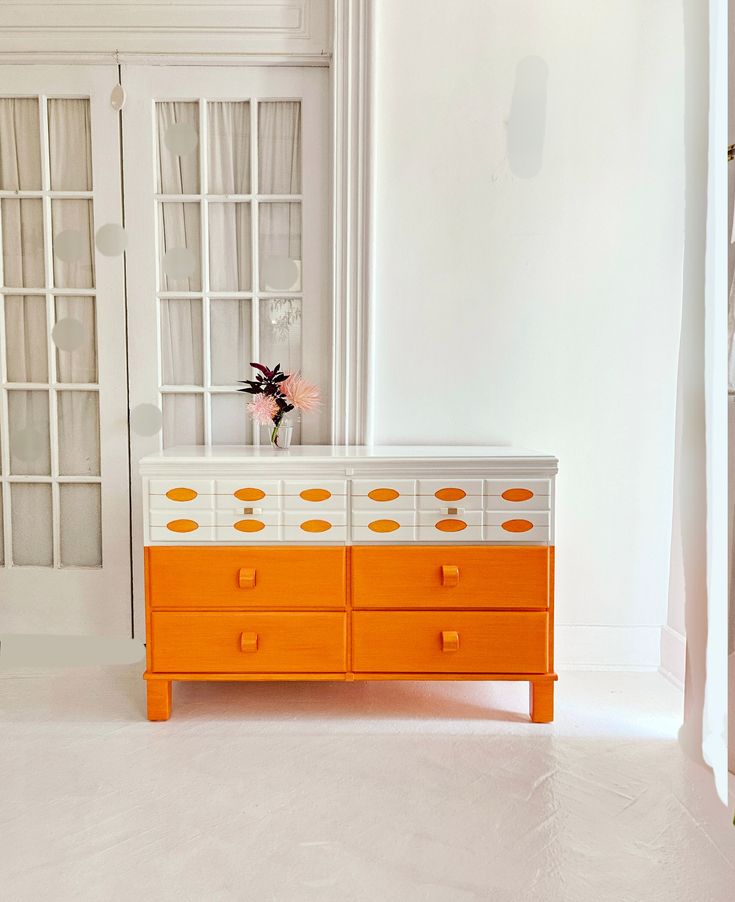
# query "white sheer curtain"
(714, 715)
(27, 327)
(229, 228)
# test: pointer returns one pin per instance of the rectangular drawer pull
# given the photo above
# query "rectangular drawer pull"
(450, 640)
(248, 642)
(450, 575)
(246, 578)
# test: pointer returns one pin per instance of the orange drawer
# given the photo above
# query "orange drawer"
(449, 642)
(248, 643)
(233, 577)
(463, 576)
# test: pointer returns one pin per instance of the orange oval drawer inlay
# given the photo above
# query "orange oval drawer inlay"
(249, 525)
(383, 495)
(182, 525)
(316, 526)
(181, 494)
(383, 525)
(517, 494)
(451, 525)
(249, 494)
(517, 525)
(450, 494)
(315, 494)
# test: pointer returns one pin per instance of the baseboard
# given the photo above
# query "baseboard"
(673, 655)
(636, 648)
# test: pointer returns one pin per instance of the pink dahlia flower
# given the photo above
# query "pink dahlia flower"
(263, 409)
(302, 394)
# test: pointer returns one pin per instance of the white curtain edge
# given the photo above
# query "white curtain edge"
(714, 713)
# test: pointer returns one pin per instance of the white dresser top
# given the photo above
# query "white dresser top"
(219, 458)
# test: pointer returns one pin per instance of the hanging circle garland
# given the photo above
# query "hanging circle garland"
(111, 239)
(181, 138)
(146, 419)
(68, 334)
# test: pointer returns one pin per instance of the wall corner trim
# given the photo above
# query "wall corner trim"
(351, 76)
(673, 655)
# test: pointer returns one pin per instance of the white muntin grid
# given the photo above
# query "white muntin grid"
(204, 198)
(52, 386)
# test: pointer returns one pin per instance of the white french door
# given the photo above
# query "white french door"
(64, 489)
(227, 202)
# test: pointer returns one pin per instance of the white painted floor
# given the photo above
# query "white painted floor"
(424, 792)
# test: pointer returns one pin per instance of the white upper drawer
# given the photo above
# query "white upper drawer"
(376, 495)
(320, 526)
(170, 495)
(232, 495)
(525, 526)
(192, 525)
(439, 494)
(321, 494)
(518, 494)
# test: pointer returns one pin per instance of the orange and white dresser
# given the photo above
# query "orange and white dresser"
(361, 563)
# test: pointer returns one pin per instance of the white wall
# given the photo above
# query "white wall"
(542, 312)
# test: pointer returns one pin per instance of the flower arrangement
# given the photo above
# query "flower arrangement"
(276, 394)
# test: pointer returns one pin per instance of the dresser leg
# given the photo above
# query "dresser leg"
(541, 701)
(159, 699)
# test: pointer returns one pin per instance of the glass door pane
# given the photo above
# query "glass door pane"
(64, 474)
(230, 288)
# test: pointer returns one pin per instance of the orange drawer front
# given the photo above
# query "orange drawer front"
(227, 577)
(248, 643)
(449, 642)
(451, 577)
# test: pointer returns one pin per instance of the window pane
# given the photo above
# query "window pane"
(230, 340)
(179, 247)
(183, 419)
(26, 339)
(231, 424)
(229, 247)
(70, 145)
(79, 433)
(81, 525)
(20, 145)
(280, 247)
(23, 243)
(28, 418)
(229, 147)
(279, 147)
(178, 147)
(181, 342)
(32, 524)
(280, 333)
(76, 361)
(73, 243)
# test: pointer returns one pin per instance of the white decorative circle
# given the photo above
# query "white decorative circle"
(111, 239)
(146, 419)
(179, 263)
(70, 245)
(68, 334)
(28, 444)
(180, 138)
(281, 274)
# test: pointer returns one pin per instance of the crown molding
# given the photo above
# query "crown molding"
(152, 26)
(114, 57)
